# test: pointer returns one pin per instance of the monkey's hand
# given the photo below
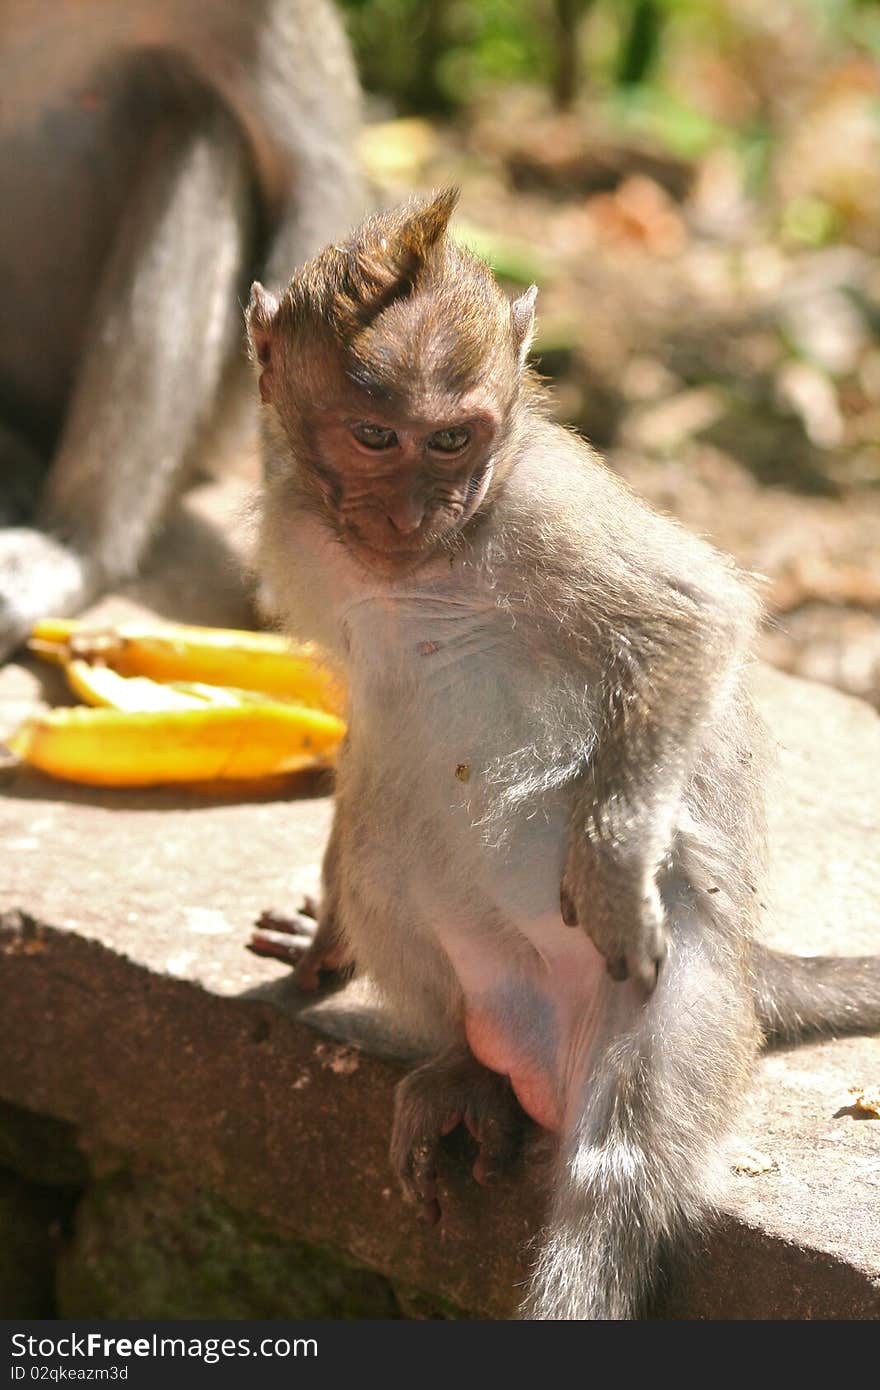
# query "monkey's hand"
(617, 904)
(39, 577)
(309, 940)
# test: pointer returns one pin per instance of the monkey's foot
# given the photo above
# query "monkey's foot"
(39, 576)
(305, 940)
(431, 1102)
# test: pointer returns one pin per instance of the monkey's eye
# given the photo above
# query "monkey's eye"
(374, 436)
(450, 441)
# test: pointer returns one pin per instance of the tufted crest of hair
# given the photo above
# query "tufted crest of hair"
(409, 311)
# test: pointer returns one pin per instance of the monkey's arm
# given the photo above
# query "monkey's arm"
(673, 650)
(163, 328)
(297, 98)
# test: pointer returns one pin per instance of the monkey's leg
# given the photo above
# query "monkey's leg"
(643, 1125)
(451, 1089)
(165, 322)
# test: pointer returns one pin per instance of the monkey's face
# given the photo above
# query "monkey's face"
(393, 367)
(398, 485)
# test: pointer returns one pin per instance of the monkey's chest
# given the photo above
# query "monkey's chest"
(449, 714)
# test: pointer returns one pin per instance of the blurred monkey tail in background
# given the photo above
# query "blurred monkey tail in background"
(152, 160)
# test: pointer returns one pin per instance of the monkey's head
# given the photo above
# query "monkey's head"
(395, 369)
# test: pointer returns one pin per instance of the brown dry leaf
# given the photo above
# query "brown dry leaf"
(866, 1099)
(639, 211)
(821, 579)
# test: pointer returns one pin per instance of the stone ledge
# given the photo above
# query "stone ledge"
(130, 1009)
(238, 1095)
(240, 1098)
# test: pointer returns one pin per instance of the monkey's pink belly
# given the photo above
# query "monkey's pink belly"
(534, 1086)
(535, 1023)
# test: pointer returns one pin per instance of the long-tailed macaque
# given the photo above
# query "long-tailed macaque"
(154, 154)
(547, 844)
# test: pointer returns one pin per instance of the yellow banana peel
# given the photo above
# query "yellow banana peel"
(172, 703)
(166, 652)
(104, 687)
(143, 748)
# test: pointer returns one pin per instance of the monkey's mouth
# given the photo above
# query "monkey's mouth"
(397, 555)
(399, 552)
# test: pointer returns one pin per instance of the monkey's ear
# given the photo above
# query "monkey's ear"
(522, 314)
(261, 312)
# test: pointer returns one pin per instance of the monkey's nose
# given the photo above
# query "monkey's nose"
(405, 515)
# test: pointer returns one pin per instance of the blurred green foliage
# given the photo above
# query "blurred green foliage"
(435, 55)
(428, 56)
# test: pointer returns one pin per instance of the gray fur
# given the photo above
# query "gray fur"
(553, 698)
(170, 151)
(799, 997)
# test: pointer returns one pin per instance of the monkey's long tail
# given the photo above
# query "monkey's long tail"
(798, 997)
(637, 1161)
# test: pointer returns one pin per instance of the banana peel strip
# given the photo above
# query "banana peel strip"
(175, 652)
(105, 688)
(144, 748)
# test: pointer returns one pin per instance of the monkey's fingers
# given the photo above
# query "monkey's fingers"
(415, 1157)
(644, 945)
(316, 961)
(420, 1182)
(300, 941)
(637, 955)
(302, 923)
(422, 1116)
(298, 951)
(567, 907)
(641, 962)
(284, 938)
(431, 1102)
(627, 926)
(498, 1136)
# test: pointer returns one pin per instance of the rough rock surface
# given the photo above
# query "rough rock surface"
(175, 1251)
(130, 1009)
(30, 1228)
